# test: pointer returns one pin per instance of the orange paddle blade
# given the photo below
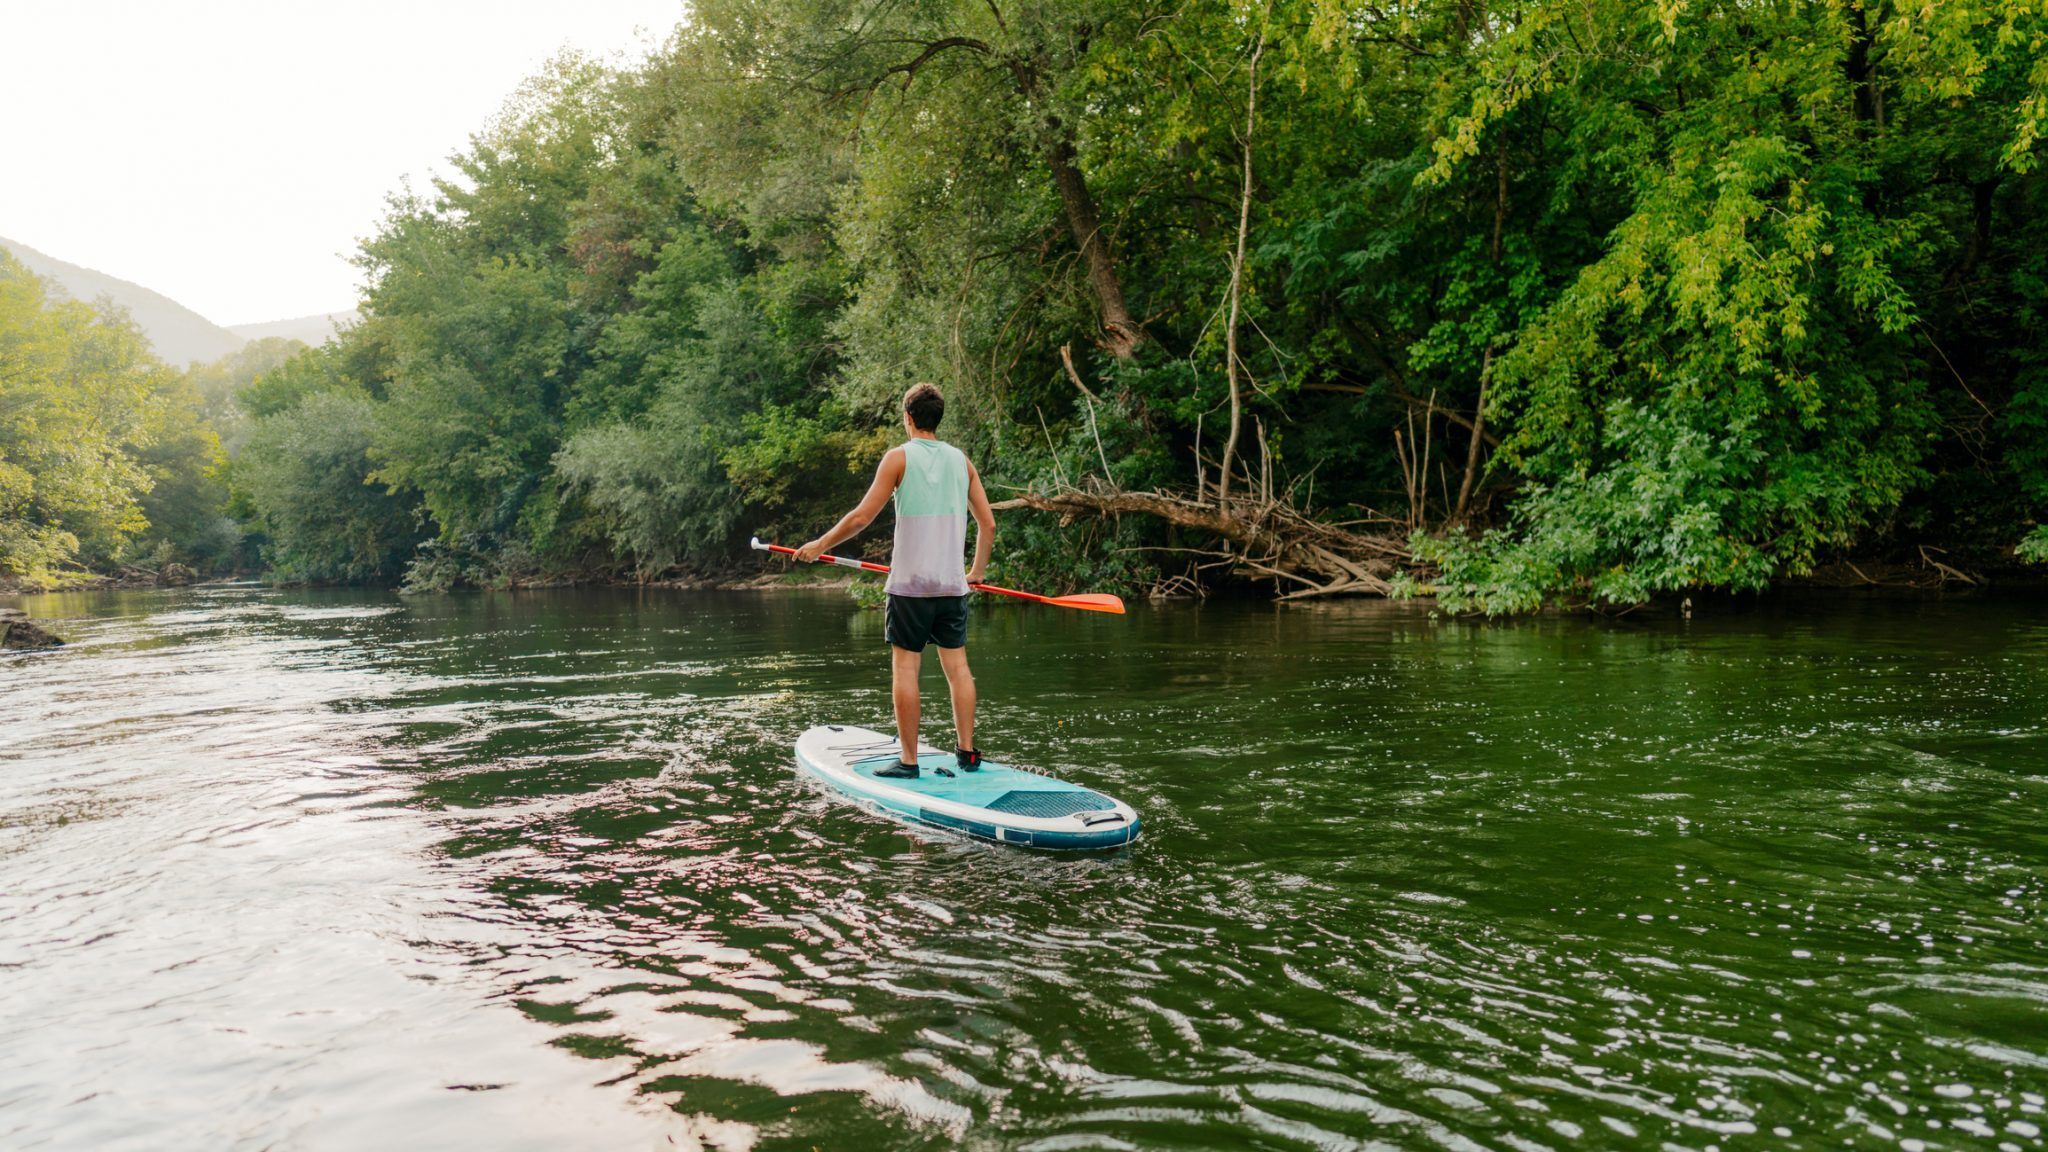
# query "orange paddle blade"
(1090, 602)
(1085, 601)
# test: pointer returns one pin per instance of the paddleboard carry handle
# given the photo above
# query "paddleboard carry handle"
(1087, 601)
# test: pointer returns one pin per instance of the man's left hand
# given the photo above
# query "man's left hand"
(977, 576)
(809, 553)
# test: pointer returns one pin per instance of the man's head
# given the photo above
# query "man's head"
(923, 408)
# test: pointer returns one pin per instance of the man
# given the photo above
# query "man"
(935, 486)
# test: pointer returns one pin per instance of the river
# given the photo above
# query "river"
(341, 870)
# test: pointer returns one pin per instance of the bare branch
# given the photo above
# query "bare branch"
(1275, 541)
(1067, 358)
(909, 70)
(1413, 401)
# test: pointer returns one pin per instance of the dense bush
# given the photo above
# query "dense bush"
(322, 516)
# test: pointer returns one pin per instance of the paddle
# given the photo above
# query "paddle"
(1086, 602)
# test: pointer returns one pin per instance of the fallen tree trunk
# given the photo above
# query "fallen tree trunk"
(1261, 538)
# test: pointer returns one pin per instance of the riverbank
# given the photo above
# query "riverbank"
(1930, 575)
(128, 579)
(725, 581)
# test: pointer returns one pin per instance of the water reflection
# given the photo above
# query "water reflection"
(332, 869)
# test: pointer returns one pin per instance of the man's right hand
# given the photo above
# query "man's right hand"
(810, 552)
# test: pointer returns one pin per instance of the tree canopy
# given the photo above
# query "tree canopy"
(104, 454)
(1586, 301)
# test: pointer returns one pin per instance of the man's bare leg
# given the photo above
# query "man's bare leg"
(903, 688)
(961, 681)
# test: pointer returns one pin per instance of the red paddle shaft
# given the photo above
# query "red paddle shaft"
(1087, 602)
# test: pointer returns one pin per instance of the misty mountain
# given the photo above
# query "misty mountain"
(316, 329)
(178, 334)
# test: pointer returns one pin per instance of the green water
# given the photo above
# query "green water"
(341, 870)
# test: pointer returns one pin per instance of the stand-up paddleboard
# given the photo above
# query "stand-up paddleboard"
(1000, 803)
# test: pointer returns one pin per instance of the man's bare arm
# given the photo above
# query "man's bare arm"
(888, 474)
(984, 525)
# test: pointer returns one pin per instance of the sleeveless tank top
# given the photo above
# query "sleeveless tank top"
(931, 522)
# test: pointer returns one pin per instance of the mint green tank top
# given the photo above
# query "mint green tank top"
(931, 522)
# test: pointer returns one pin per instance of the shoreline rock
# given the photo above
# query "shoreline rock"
(17, 631)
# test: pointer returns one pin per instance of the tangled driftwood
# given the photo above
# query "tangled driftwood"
(1258, 536)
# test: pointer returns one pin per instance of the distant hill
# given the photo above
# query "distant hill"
(179, 334)
(318, 329)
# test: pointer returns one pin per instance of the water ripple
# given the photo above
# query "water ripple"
(330, 869)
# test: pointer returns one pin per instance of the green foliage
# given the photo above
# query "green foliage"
(1732, 289)
(186, 505)
(97, 439)
(439, 566)
(1037, 553)
(2035, 547)
(34, 554)
(869, 595)
(1744, 376)
(658, 491)
(305, 481)
(282, 386)
(221, 385)
(805, 468)
(1680, 505)
(676, 481)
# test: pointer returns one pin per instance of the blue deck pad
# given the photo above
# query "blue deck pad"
(1047, 804)
(984, 788)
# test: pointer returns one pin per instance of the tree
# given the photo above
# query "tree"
(304, 481)
(1747, 377)
(220, 383)
(950, 90)
(81, 402)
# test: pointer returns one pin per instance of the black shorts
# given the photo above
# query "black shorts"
(915, 621)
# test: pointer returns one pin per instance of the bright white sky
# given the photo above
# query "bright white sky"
(230, 153)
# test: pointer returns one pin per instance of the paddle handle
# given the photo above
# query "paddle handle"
(842, 561)
(846, 562)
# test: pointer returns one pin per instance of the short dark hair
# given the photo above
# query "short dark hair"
(925, 407)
